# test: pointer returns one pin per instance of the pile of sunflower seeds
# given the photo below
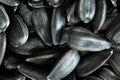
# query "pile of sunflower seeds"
(59, 39)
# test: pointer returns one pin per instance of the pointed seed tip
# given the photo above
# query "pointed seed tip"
(18, 66)
(28, 59)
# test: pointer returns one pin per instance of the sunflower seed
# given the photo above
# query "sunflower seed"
(45, 58)
(26, 14)
(91, 63)
(83, 40)
(114, 31)
(33, 72)
(2, 46)
(19, 51)
(19, 31)
(57, 25)
(32, 44)
(11, 61)
(41, 23)
(114, 61)
(65, 66)
(100, 15)
(4, 19)
(86, 10)
(108, 21)
(107, 74)
(71, 18)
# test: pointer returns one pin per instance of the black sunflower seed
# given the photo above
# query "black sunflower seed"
(33, 72)
(32, 44)
(83, 40)
(3, 43)
(86, 10)
(57, 25)
(114, 61)
(114, 31)
(26, 15)
(107, 74)
(65, 65)
(19, 31)
(12, 60)
(4, 19)
(71, 18)
(41, 23)
(91, 63)
(100, 15)
(47, 57)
